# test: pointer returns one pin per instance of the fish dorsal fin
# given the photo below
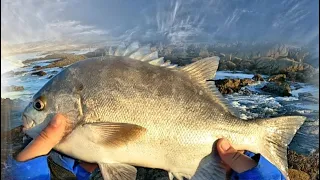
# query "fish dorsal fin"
(131, 48)
(203, 71)
(157, 62)
(141, 52)
(120, 50)
(144, 53)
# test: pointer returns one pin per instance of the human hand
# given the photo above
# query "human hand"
(47, 140)
(246, 165)
(233, 159)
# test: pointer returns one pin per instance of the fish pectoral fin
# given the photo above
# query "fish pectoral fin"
(114, 134)
(117, 171)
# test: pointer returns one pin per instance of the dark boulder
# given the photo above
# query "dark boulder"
(229, 86)
(278, 88)
(277, 78)
(257, 77)
(39, 73)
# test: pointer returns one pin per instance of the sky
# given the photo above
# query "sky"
(171, 21)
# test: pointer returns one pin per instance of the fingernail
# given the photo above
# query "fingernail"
(55, 122)
(225, 145)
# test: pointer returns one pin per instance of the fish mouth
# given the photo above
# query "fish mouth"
(27, 123)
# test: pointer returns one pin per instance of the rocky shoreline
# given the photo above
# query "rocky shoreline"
(298, 64)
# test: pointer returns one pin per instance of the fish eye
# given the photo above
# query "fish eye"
(38, 105)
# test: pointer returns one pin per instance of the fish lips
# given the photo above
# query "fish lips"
(27, 123)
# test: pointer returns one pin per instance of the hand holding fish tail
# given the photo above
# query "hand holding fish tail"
(234, 159)
(246, 165)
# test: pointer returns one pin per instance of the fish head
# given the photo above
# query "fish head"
(62, 94)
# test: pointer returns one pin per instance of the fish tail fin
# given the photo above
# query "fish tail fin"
(278, 134)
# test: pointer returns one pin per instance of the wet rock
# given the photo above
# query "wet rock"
(269, 65)
(308, 164)
(236, 60)
(297, 85)
(49, 77)
(257, 77)
(278, 88)
(14, 88)
(298, 175)
(308, 97)
(65, 61)
(277, 78)
(223, 66)
(57, 56)
(229, 86)
(304, 94)
(309, 76)
(39, 73)
(245, 91)
(97, 53)
(36, 67)
(230, 65)
(245, 65)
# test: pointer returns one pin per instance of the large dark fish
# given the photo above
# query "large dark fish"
(132, 109)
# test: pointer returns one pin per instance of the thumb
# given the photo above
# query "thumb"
(234, 159)
(47, 139)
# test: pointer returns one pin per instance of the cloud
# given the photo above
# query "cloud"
(171, 21)
(37, 20)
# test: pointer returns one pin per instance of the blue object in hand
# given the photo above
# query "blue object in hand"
(263, 171)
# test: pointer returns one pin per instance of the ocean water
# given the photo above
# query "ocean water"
(256, 105)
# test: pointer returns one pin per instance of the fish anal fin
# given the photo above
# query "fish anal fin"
(117, 171)
(279, 132)
(114, 134)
